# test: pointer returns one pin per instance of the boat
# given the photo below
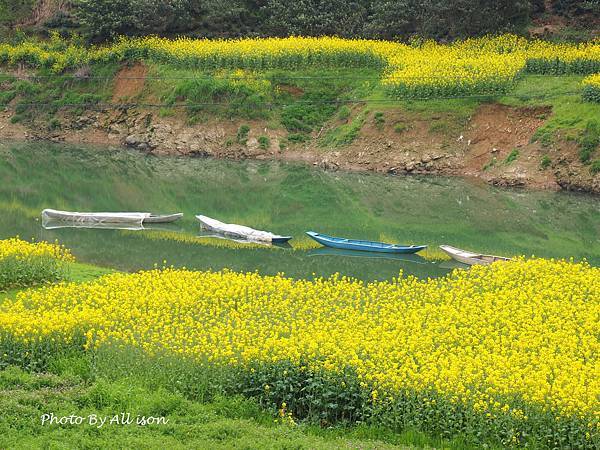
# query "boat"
(470, 258)
(369, 246)
(163, 218)
(59, 224)
(107, 217)
(240, 231)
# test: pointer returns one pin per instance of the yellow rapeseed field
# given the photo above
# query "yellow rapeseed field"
(20, 249)
(25, 263)
(526, 330)
(474, 66)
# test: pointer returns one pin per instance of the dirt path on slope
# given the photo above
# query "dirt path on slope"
(129, 82)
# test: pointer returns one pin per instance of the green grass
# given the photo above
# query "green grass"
(570, 114)
(242, 134)
(77, 384)
(513, 156)
(545, 162)
(299, 101)
(223, 423)
(264, 142)
(589, 140)
(345, 134)
(39, 99)
(80, 272)
(75, 272)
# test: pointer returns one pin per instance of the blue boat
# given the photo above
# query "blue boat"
(367, 246)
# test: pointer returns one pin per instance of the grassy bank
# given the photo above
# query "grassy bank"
(74, 385)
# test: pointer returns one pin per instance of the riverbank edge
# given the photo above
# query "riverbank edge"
(482, 151)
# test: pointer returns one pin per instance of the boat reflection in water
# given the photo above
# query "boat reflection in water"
(412, 258)
(237, 240)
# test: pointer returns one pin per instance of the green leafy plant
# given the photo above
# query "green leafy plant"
(344, 113)
(589, 140)
(545, 162)
(512, 156)
(490, 164)
(242, 134)
(400, 128)
(379, 119)
(264, 142)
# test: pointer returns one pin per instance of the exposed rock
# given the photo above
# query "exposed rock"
(131, 140)
(325, 164)
(509, 181)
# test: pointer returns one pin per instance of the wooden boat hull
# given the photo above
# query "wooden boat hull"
(364, 246)
(470, 258)
(163, 218)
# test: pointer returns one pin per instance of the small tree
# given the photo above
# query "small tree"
(317, 17)
(106, 19)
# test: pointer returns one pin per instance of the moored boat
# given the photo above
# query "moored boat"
(107, 217)
(94, 217)
(240, 231)
(163, 218)
(470, 258)
(369, 246)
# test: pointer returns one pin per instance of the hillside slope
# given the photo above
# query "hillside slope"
(512, 111)
(530, 138)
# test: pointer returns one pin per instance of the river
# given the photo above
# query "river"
(286, 199)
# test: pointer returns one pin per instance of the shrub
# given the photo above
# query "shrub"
(400, 128)
(297, 137)
(379, 119)
(264, 142)
(545, 162)
(591, 88)
(589, 140)
(344, 112)
(242, 134)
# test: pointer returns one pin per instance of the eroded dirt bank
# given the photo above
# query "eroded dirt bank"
(495, 144)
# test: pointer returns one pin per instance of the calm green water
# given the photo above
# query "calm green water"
(285, 199)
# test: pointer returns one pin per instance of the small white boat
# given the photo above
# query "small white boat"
(107, 217)
(163, 218)
(240, 231)
(471, 258)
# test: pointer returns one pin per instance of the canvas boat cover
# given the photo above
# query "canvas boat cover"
(234, 230)
(93, 217)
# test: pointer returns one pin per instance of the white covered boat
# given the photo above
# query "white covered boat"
(471, 258)
(106, 217)
(240, 231)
